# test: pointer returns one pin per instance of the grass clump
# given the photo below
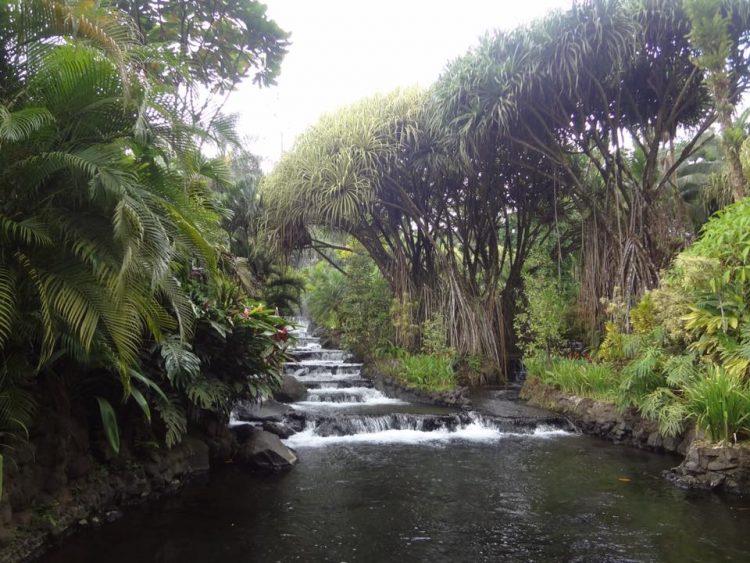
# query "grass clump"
(421, 371)
(581, 377)
(720, 404)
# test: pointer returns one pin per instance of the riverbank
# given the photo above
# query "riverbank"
(63, 481)
(50, 495)
(705, 466)
(605, 420)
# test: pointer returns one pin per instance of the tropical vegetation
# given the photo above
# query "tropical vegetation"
(119, 292)
(548, 198)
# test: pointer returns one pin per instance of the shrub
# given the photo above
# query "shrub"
(435, 336)
(720, 310)
(542, 321)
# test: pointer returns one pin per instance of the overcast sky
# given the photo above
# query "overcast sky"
(345, 50)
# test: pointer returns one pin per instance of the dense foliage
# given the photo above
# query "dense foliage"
(115, 278)
(578, 130)
(541, 199)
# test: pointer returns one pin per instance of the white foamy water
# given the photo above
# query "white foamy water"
(470, 433)
(312, 405)
(345, 397)
(328, 378)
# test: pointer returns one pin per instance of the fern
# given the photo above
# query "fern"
(181, 365)
(680, 370)
(209, 394)
(173, 416)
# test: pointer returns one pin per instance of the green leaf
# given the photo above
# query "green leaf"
(221, 329)
(142, 402)
(148, 382)
(109, 421)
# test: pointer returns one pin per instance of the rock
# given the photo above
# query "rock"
(296, 421)
(263, 450)
(268, 410)
(112, 515)
(197, 458)
(79, 466)
(279, 428)
(712, 466)
(291, 390)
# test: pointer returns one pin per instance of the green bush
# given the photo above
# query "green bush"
(541, 323)
(355, 305)
(720, 310)
(720, 404)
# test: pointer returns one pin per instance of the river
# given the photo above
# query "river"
(399, 487)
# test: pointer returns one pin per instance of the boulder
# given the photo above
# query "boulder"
(268, 410)
(196, 455)
(282, 430)
(291, 390)
(714, 466)
(263, 450)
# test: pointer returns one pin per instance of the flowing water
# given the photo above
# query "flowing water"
(383, 480)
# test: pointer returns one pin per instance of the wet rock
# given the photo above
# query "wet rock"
(291, 390)
(296, 421)
(196, 455)
(268, 410)
(112, 515)
(263, 450)
(282, 430)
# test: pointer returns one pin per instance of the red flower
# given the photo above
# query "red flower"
(281, 335)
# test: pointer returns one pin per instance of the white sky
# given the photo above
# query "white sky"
(345, 50)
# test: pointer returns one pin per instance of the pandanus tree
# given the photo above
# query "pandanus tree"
(585, 90)
(449, 237)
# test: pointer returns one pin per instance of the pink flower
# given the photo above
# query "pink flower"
(246, 313)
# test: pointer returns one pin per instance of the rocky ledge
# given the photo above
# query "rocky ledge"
(724, 467)
(55, 487)
(391, 387)
(605, 419)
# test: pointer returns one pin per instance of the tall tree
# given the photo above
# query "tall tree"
(719, 34)
(600, 91)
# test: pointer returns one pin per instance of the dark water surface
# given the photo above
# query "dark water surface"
(519, 498)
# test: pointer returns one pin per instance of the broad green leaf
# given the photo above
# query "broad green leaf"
(109, 421)
(142, 402)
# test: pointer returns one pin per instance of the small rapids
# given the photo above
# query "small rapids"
(413, 429)
(471, 433)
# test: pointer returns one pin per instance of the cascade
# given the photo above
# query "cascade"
(342, 406)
